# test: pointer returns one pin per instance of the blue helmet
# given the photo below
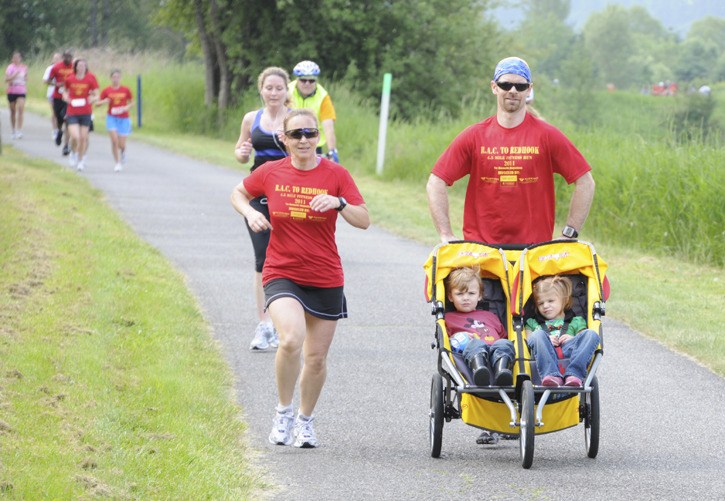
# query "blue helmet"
(306, 69)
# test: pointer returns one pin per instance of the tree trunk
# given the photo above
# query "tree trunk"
(208, 51)
(221, 53)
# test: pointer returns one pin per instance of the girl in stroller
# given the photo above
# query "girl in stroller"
(556, 333)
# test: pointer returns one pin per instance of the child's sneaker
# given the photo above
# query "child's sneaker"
(281, 433)
(305, 437)
(261, 337)
(573, 381)
(552, 381)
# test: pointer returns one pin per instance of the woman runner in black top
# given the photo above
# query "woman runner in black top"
(259, 132)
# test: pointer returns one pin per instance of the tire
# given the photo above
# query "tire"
(436, 415)
(527, 424)
(592, 420)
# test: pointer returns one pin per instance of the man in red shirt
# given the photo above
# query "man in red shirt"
(511, 159)
(58, 73)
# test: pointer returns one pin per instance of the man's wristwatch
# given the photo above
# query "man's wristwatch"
(569, 232)
(343, 204)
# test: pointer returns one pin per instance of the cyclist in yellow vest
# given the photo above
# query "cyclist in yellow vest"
(305, 92)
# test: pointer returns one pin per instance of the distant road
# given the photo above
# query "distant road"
(662, 417)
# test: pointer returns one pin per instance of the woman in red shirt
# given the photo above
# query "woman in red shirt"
(302, 275)
(81, 91)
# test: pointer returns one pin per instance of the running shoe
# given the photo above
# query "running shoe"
(261, 337)
(281, 433)
(123, 157)
(19, 134)
(273, 338)
(73, 159)
(118, 168)
(487, 438)
(66, 150)
(305, 437)
(81, 166)
(58, 138)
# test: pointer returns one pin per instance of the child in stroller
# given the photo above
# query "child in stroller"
(478, 334)
(556, 333)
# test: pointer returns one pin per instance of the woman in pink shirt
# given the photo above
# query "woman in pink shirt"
(16, 77)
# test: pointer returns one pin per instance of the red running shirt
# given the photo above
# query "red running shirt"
(60, 71)
(302, 244)
(119, 97)
(510, 195)
(78, 91)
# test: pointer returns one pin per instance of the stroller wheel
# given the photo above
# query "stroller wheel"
(527, 424)
(591, 420)
(436, 415)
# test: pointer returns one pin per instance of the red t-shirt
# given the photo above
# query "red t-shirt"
(118, 97)
(78, 91)
(60, 71)
(510, 195)
(302, 244)
(482, 324)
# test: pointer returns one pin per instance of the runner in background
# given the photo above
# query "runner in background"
(81, 91)
(306, 92)
(16, 78)
(118, 122)
(49, 93)
(58, 74)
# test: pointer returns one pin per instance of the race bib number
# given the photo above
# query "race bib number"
(77, 103)
(117, 110)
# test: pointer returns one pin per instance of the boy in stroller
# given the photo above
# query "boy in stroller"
(478, 334)
(556, 333)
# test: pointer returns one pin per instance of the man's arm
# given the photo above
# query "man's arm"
(438, 205)
(329, 127)
(581, 201)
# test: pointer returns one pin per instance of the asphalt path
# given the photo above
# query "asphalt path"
(662, 418)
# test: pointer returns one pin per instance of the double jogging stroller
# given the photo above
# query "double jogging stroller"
(526, 408)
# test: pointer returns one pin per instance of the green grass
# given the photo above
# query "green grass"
(110, 383)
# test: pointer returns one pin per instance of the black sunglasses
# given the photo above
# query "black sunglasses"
(307, 80)
(508, 85)
(299, 133)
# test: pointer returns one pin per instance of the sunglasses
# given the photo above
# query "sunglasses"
(300, 133)
(520, 87)
(307, 80)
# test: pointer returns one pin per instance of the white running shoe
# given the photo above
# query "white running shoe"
(81, 166)
(261, 337)
(19, 134)
(14, 134)
(73, 159)
(273, 338)
(281, 433)
(305, 437)
(118, 168)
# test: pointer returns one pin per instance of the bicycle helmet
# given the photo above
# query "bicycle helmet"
(306, 69)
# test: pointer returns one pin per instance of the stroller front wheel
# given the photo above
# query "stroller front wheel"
(527, 424)
(436, 415)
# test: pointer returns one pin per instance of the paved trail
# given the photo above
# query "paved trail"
(662, 423)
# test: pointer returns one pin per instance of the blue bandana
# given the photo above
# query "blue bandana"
(514, 66)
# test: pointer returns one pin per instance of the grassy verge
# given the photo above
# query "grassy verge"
(110, 384)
